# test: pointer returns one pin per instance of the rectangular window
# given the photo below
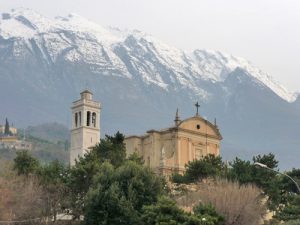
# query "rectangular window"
(76, 119)
(88, 118)
(79, 118)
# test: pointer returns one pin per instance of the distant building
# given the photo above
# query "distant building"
(85, 132)
(13, 130)
(15, 144)
(169, 150)
(9, 139)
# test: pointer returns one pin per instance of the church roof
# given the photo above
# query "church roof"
(197, 117)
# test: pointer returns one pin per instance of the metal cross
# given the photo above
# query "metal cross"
(197, 106)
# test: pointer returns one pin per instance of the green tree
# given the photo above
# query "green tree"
(6, 129)
(180, 179)
(209, 212)
(135, 157)
(52, 178)
(291, 222)
(245, 172)
(241, 171)
(291, 211)
(166, 212)
(110, 149)
(118, 195)
(25, 164)
(209, 166)
(261, 176)
(268, 160)
(289, 185)
(80, 180)
(268, 181)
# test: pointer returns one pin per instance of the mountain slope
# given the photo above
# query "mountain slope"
(140, 81)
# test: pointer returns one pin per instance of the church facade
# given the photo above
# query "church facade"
(168, 150)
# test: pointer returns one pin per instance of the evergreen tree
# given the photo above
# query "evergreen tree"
(241, 171)
(291, 211)
(208, 212)
(292, 222)
(208, 166)
(135, 157)
(6, 130)
(165, 212)
(25, 164)
(110, 150)
(118, 195)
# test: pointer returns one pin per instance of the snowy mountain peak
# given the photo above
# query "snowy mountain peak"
(76, 38)
(218, 65)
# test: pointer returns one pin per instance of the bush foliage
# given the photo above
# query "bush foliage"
(107, 188)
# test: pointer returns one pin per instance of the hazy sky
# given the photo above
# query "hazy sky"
(266, 32)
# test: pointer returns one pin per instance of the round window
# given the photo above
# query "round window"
(198, 126)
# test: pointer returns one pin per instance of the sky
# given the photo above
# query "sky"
(266, 32)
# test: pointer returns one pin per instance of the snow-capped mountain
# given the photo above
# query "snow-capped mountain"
(97, 46)
(45, 63)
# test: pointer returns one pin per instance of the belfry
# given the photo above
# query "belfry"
(85, 131)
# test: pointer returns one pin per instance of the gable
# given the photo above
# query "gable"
(199, 125)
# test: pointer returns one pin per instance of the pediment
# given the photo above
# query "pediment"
(200, 125)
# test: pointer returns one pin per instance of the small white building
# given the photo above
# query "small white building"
(15, 144)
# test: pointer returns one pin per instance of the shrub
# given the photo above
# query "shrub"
(208, 211)
(239, 204)
(292, 222)
(179, 179)
(209, 166)
(25, 164)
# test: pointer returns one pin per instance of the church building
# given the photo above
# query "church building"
(165, 151)
(169, 150)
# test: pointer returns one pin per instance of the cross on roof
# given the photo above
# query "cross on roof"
(197, 106)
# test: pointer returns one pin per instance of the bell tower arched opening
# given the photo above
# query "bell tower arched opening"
(94, 119)
(88, 118)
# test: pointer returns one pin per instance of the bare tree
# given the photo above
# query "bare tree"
(239, 204)
(21, 198)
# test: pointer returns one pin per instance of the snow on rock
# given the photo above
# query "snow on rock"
(77, 39)
(217, 66)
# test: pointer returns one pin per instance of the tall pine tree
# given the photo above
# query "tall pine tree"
(6, 130)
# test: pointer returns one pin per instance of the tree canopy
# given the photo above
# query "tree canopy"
(25, 164)
(107, 188)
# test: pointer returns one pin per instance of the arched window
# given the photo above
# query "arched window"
(94, 119)
(88, 118)
(76, 119)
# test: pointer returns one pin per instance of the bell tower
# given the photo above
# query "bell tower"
(85, 131)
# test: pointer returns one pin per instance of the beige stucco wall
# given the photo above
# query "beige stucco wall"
(13, 130)
(170, 150)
